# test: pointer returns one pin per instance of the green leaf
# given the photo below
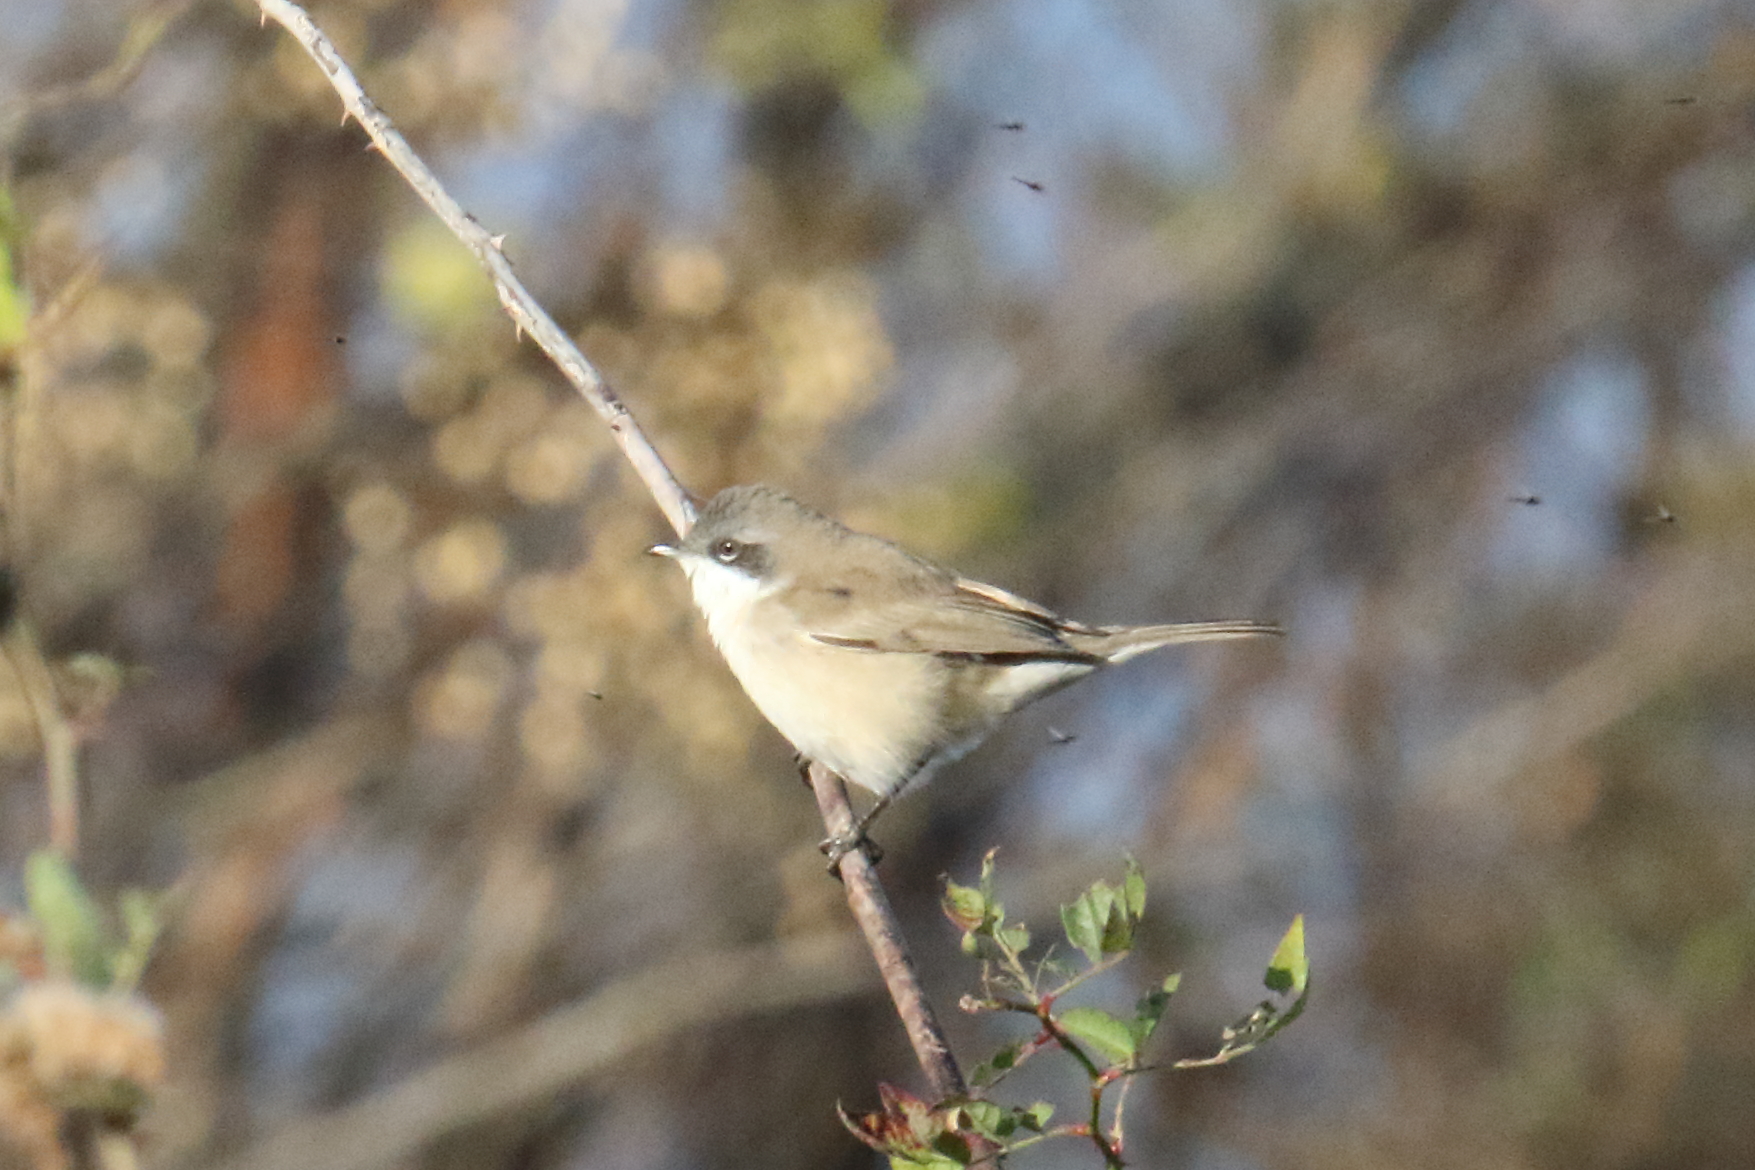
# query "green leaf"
(1151, 1009)
(948, 1149)
(981, 917)
(983, 1117)
(975, 910)
(1118, 927)
(1094, 923)
(142, 920)
(996, 1122)
(1101, 922)
(933, 1159)
(14, 300)
(996, 1066)
(14, 309)
(1291, 1013)
(1288, 971)
(1101, 1031)
(965, 906)
(74, 941)
(1083, 930)
(1133, 886)
(986, 878)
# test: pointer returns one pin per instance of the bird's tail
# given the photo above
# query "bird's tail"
(1119, 643)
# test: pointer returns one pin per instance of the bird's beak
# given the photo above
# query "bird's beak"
(661, 550)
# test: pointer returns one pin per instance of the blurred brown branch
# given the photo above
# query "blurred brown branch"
(566, 1047)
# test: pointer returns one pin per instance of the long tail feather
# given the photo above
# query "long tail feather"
(1119, 643)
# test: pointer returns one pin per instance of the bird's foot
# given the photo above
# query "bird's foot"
(841, 844)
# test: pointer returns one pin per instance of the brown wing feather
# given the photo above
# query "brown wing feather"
(935, 615)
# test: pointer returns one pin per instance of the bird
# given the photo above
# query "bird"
(875, 663)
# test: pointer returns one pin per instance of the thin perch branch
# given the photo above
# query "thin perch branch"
(871, 907)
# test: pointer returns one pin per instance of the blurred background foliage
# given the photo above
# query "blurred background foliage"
(1426, 326)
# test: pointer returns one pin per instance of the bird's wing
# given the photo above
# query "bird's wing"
(960, 619)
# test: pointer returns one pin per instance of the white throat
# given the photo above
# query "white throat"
(724, 596)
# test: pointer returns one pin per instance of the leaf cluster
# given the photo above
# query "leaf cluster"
(1100, 925)
(72, 937)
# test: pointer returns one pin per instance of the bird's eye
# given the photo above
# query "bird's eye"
(727, 551)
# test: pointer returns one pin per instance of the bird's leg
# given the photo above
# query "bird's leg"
(802, 761)
(841, 844)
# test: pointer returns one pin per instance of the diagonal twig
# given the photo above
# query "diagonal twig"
(871, 908)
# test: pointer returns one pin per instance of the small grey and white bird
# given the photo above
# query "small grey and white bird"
(875, 663)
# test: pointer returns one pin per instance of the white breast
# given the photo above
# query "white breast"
(868, 716)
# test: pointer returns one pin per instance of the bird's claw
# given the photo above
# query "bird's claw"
(841, 844)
